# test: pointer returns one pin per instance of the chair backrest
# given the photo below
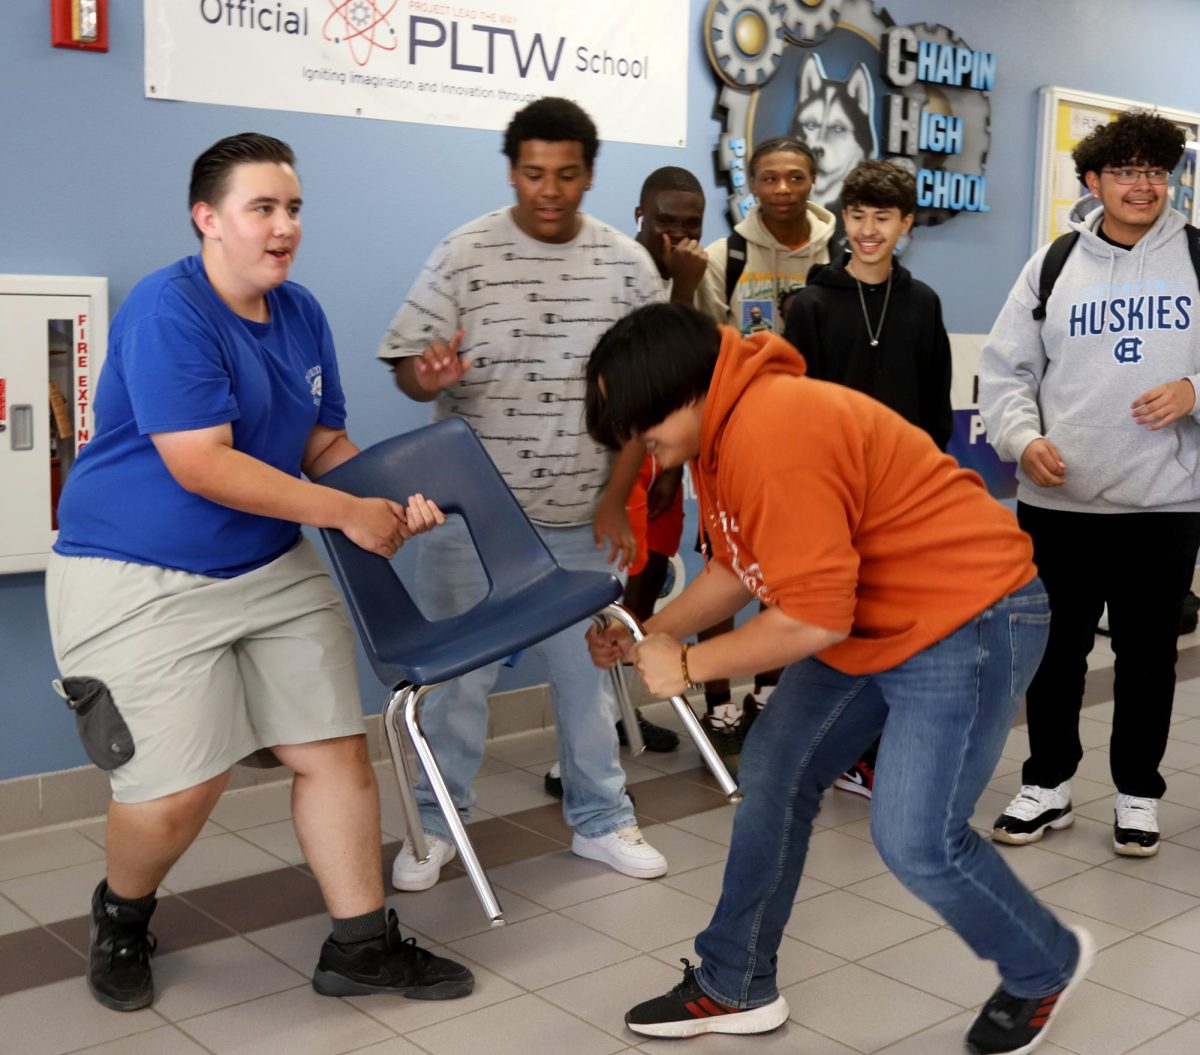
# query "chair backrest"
(446, 463)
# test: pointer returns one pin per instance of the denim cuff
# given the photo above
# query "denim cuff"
(609, 827)
(741, 1005)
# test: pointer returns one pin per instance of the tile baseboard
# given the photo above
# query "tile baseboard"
(71, 795)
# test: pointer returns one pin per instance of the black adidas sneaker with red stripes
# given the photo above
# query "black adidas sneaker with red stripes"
(687, 1011)
(1013, 1025)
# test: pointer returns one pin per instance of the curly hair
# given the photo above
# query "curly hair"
(880, 185)
(1135, 137)
(553, 120)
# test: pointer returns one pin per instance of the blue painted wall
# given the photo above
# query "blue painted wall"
(93, 181)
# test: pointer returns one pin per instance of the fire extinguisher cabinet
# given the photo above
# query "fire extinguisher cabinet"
(53, 335)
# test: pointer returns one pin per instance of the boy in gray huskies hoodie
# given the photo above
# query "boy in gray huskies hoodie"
(1097, 402)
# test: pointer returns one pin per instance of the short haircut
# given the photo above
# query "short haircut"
(880, 185)
(652, 362)
(1135, 136)
(553, 120)
(782, 145)
(210, 171)
(668, 178)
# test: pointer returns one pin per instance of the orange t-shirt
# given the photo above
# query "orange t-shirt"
(833, 507)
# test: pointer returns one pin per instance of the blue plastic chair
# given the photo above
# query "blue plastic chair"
(530, 598)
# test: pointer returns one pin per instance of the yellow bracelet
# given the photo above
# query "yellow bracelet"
(687, 678)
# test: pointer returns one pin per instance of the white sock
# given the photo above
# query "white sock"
(763, 694)
(555, 772)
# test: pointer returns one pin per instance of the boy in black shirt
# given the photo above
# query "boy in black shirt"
(863, 321)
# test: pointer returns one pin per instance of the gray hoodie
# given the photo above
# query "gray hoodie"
(1118, 323)
(772, 270)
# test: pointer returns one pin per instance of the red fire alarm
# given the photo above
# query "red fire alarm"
(79, 24)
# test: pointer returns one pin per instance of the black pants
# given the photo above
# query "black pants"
(1140, 565)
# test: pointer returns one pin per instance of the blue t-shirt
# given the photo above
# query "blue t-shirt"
(179, 359)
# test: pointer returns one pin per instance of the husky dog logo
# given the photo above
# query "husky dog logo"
(836, 119)
(826, 72)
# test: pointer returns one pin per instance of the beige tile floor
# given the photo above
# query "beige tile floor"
(865, 967)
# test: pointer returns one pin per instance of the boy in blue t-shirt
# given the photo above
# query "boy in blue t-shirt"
(187, 612)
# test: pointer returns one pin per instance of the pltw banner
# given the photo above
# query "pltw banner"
(624, 61)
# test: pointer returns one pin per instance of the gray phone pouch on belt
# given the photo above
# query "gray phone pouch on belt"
(106, 737)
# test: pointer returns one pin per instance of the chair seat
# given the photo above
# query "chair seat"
(494, 629)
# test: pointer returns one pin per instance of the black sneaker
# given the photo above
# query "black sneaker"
(750, 710)
(726, 739)
(1031, 812)
(1135, 826)
(687, 1011)
(119, 957)
(655, 737)
(389, 964)
(1013, 1025)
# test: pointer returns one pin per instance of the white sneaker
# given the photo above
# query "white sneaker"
(1035, 809)
(1135, 827)
(410, 874)
(624, 850)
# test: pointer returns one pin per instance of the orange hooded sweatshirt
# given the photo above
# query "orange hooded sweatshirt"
(833, 507)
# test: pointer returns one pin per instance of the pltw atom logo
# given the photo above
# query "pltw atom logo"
(362, 25)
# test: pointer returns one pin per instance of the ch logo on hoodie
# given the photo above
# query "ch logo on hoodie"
(1128, 350)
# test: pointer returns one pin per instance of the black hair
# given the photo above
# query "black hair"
(1135, 137)
(210, 171)
(653, 362)
(880, 184)
(667, 178)
(553, 120)
(782, 145)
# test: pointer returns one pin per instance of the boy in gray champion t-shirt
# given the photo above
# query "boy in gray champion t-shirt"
(497, 329)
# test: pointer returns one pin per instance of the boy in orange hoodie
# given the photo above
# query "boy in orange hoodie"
(903, 603)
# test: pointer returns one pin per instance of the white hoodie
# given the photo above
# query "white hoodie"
(772, 271)
(1118, 323)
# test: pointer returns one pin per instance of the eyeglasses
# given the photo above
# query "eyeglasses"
(1128, 177)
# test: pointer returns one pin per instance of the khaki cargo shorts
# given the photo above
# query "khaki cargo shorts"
(205, 671)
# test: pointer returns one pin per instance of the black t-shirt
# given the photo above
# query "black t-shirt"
(1112, 241)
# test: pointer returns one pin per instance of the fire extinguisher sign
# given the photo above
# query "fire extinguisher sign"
(3, 403)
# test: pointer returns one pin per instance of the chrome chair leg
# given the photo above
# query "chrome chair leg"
(690, 722)
(392, 715)
(633, 731)
(458, 831)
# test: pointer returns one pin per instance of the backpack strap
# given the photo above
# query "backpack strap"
(1056, 256)
(735, 262)
(1193, 244)
(1052, 265)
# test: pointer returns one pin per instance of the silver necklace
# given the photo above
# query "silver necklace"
(874, 337)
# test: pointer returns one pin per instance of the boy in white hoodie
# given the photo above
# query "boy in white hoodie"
(785, 234)
(768, 257)
(1097, 401)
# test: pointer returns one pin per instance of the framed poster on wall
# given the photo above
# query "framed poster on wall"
(1067, 116)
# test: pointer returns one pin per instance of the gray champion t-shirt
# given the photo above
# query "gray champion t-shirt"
(531, 313)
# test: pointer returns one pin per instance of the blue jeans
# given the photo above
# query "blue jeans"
(454, 717)
(944, 715)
